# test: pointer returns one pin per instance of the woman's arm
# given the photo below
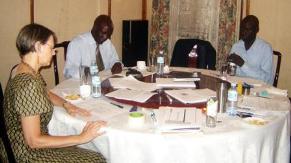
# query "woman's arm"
(35, 139)
(71, 109)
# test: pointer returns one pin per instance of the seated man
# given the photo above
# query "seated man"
(94, 46)
(252, 55)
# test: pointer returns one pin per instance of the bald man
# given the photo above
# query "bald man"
(252, 55)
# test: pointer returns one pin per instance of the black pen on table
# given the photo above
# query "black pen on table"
(116, 105)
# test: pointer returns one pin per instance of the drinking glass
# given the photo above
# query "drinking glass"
(152, 63)
(211, 112)
(223, 71)
(85, 81)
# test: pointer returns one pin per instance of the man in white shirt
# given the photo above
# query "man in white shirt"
(252, 55)
(83, 50)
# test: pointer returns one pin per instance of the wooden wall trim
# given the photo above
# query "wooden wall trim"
(109, 8)
(144, 10)
(32, 11)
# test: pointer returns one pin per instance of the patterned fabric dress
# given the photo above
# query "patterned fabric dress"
(26, 95)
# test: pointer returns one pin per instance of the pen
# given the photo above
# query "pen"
(187, 128)
(116, 105)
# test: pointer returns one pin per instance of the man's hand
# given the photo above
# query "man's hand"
(236, 59)
(116, 68)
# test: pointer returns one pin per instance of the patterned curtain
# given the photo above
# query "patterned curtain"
(228, 29)
(226, 34)
(159, 27)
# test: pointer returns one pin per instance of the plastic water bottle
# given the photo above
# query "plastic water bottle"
(96, 82)
(232, 100)
(160, 63)
(192, 60)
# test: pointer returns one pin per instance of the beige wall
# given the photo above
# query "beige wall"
(67, 18)
(12, 19)
(275, 22)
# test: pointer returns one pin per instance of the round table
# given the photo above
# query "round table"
(233, 140)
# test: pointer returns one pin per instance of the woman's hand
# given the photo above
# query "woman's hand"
(91, 131)
(74, 110)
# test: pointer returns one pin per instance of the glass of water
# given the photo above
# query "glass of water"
(85, 81)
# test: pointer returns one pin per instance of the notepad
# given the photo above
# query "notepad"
(191, 96)
(133, 95)
(172, 119)
(169, 82)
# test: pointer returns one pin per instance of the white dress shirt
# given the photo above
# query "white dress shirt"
(82, 51)
(258, 60)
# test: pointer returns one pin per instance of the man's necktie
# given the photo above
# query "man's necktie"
(99, 60)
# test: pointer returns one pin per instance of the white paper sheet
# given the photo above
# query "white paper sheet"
(169, 82)
(131, 83)
(190, 95)
(100, 109)
(259, 103)
(133, 95)
(171, 119)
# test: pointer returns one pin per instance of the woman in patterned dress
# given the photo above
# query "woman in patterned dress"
(28, 106)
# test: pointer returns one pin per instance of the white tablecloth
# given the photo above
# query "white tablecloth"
(233, 140)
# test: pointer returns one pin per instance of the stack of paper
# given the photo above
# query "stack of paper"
(257, 103)
(191, 96)
(100, 109)
(132, 95)
(179, 119)
(131, 83)
(170, 82)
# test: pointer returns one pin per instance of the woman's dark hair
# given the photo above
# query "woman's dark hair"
(29, 35)
(99, 23)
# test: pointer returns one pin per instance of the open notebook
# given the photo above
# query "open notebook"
(172, 119)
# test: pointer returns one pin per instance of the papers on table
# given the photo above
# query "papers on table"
(172, 119)
(133, 95)
(169, 82)
(131, 83)
(100, 109)
(191, 96)
(259, 103)
(186, 79)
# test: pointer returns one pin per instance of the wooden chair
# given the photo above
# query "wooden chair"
(3, 131)
(206, 53)
(276, 66)
(55, 61)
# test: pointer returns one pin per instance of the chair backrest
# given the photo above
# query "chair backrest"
(276, 66)
(206, 53)
(3, 131)
(55, 61)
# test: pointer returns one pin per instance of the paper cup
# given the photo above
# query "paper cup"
(141, 65)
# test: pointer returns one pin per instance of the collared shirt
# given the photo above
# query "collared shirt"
(258, 60)
(82, 51)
